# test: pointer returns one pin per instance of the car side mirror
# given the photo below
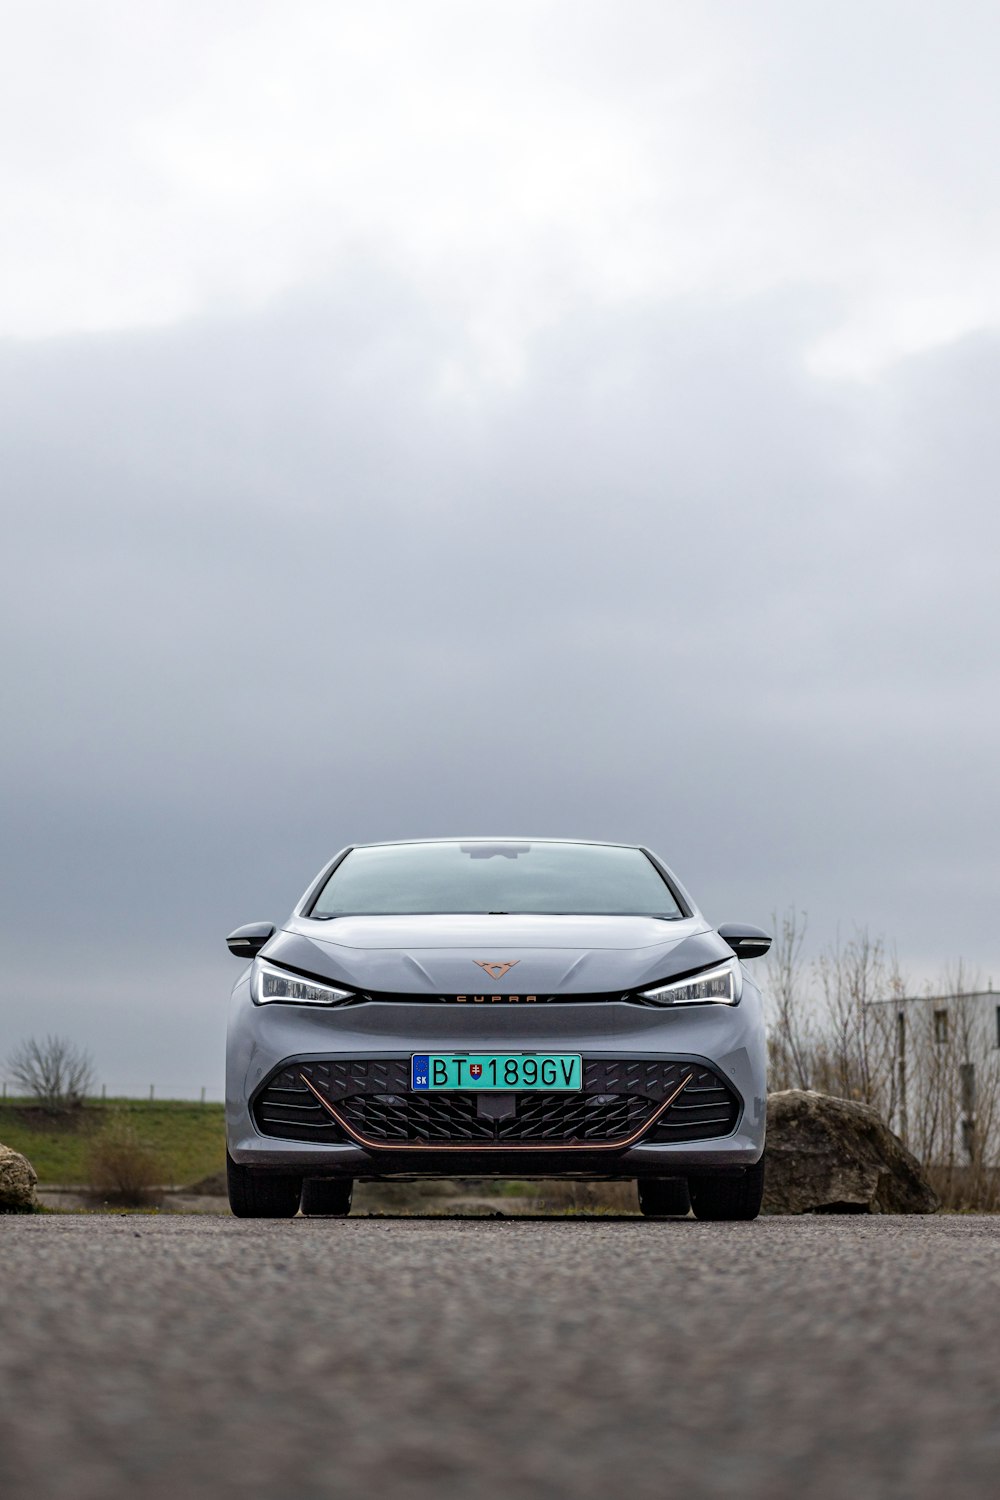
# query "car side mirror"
(246, 942)
(746, 942)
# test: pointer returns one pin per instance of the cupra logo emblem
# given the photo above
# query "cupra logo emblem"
(496, 971)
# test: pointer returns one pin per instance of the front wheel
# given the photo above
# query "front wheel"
(728, 1197)
(256, 1195)
(327, 1196)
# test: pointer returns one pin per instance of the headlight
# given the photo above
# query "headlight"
(720, 986)
(270, 985)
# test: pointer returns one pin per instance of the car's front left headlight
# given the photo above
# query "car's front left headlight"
(722, 985)
(270, 985)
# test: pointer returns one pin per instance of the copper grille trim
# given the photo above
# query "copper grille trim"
(476, 1147)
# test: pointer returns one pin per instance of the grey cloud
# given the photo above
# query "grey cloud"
(271, 588)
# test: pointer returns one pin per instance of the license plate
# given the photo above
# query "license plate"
(498, 1072)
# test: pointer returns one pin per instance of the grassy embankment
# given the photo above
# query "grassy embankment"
(189, 1139)
(190, 1144)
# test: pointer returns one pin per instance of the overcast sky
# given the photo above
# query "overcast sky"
(418, 418)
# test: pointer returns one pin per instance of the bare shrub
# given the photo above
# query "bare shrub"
(589, 1197)
(55, 1071)
(857, 1055)
(123, 1168)
(789, 1031)
(826, 1029)
(963, 1190)
(928, 1063)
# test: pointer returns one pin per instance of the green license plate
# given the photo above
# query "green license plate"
(497, 1072)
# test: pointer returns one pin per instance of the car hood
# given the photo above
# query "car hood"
(430, 955)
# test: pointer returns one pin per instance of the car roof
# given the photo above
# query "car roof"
(504, 838)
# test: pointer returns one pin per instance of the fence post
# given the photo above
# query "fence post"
(150, 1091)
(203, 1093)
(904, 1122)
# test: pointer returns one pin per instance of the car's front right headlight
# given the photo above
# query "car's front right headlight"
(270, 985)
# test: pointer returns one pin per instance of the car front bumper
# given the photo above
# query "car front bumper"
(729, 1039)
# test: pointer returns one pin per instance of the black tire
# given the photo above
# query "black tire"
(663, 1197)
(257, 1195)
(327, 1196)
(728, 1197)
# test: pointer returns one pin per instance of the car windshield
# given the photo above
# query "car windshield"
(496, 878)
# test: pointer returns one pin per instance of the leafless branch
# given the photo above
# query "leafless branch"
(54, 1071)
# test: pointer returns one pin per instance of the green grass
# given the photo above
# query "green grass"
(189, 1139)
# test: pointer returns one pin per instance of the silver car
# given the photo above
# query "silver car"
(496, 1008)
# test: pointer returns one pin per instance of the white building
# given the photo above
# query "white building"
(945, 1094)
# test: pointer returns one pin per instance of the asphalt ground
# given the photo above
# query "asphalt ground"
(208, 1357)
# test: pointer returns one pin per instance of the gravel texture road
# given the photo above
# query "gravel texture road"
(208, 1357)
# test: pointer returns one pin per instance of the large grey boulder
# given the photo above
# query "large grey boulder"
(17, 1182)
(827, 1155)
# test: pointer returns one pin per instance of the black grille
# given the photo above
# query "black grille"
(706, 1109)
(416, 1117)
(648, 1077)
(442, 1118)
(286, 1109)
(576, 1117)
(374, 1098)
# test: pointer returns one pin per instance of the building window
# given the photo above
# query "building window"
(941, 1026)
